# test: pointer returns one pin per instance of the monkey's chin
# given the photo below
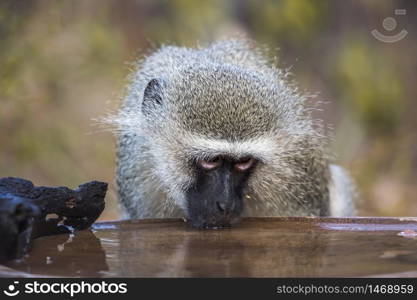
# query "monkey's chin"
(222, 224)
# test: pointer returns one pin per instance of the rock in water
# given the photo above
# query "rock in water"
(27, 212)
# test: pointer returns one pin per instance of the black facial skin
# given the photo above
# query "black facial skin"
(216, 198)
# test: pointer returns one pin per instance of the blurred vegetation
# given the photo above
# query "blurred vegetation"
(63, 63)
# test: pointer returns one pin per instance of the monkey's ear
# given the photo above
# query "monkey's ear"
(152, 97)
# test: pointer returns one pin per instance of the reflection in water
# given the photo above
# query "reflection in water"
(233, 255)
(254, 248)
(287, 249)
(186, 252)
(78, 254)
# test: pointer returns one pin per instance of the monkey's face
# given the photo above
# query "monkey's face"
(206, 141)
(215, 199)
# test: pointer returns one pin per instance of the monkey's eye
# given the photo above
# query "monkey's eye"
(210, 164)
(245, 164)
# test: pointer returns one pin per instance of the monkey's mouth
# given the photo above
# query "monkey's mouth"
(210, 214)
(213, 222)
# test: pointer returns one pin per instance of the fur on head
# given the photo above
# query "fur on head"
(186, 105)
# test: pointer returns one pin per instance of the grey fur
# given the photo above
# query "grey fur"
(225, 98)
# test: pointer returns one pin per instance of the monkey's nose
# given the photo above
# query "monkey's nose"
(221, 206)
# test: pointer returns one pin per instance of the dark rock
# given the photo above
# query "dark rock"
(27, 212)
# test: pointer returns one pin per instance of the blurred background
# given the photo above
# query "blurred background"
(64, 63)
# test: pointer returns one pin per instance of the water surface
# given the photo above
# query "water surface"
(256, 247)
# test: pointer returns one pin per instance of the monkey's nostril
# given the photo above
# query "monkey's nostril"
(221, 206)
